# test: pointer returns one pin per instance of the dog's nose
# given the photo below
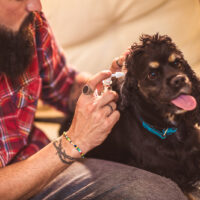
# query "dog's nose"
(178, 81)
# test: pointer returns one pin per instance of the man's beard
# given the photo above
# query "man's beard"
(16, 49)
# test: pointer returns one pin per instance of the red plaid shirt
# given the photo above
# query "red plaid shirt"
(47, 78)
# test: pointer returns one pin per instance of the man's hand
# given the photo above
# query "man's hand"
(94, 118)
(118, 63)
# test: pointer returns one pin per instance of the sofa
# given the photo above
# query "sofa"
(93, 32)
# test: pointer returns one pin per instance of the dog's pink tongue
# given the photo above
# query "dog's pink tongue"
(186, 102)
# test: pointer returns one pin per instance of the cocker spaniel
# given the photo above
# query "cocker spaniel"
(159, 104)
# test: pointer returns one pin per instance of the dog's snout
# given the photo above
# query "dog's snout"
(178, 81)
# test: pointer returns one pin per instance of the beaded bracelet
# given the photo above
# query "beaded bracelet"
(70, 141)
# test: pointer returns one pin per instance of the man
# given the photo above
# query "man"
(32, 66)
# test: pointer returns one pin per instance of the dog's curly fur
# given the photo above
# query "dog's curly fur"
(144, 96)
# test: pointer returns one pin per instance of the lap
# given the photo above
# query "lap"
(104, 180)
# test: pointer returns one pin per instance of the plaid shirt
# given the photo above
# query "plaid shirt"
(47, 78)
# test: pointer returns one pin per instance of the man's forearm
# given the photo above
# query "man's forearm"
(24, 179)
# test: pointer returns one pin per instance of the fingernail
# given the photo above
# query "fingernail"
(30, 6)
(106, 71)
(34, 6)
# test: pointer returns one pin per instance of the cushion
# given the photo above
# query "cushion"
(93, 32)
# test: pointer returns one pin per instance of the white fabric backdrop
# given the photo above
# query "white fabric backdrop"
(93, 32)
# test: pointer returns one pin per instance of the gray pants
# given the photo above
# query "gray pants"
(104, 180)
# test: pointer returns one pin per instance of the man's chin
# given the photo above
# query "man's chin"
(16, 49)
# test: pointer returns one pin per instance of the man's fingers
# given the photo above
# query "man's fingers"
(98, 78)
(108, 109)
(107, 98)
(127, 52)
(115, 65)
(119, 62)
(113, 118)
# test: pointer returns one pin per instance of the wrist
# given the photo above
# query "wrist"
(72, 143)
(70, 150)
(81, 142)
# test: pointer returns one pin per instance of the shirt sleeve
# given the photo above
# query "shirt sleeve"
(57, 76)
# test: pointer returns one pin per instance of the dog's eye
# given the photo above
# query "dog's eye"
(176, 62)
(152, 75)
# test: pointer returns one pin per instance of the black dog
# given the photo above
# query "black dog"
(159, 105)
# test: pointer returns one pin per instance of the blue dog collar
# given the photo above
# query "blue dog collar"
(161, 134)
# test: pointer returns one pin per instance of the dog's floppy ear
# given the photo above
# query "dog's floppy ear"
(194, 116)
(130, 86)
(135, 60)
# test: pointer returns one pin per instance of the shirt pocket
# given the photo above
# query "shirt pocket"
(28, 93)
